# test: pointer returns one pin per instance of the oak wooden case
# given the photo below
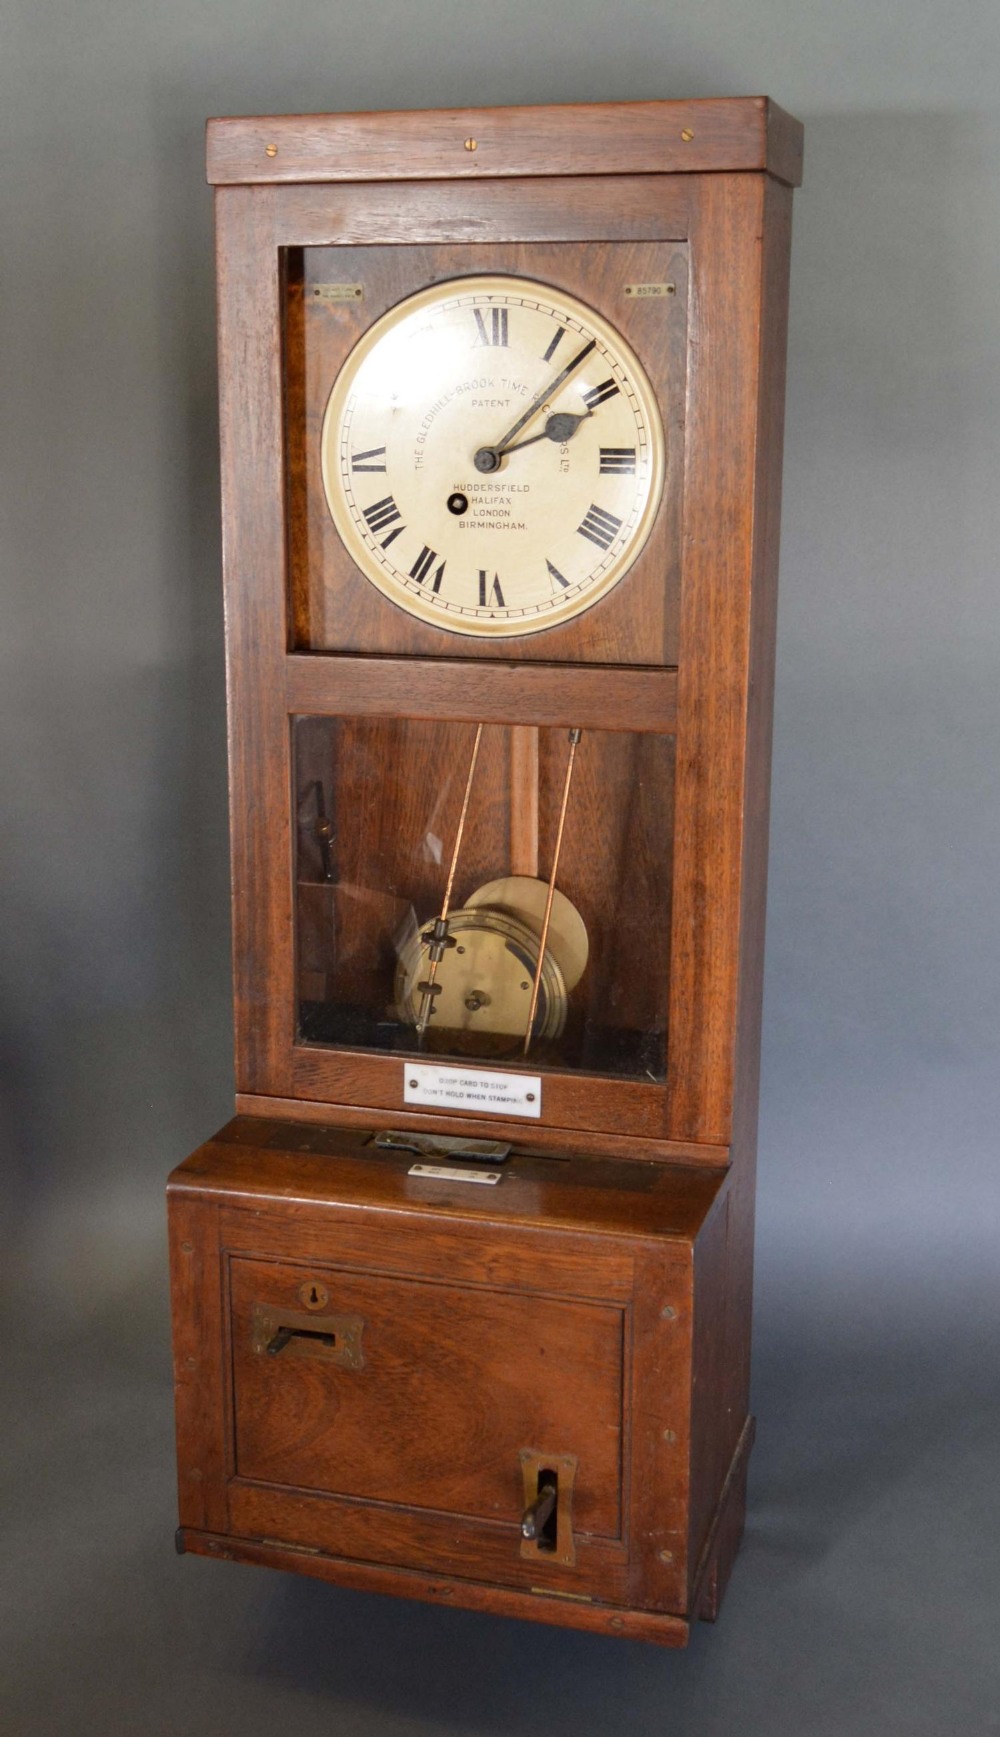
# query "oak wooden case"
(586, 1318)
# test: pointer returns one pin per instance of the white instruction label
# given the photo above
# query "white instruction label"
(452, 1173)
(484, 1092)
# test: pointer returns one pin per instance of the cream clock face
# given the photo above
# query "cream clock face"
(493, 456)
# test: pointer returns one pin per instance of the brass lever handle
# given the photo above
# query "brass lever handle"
(285, 1334)
(536, 1517)
(547, 1520)
(332, 1339)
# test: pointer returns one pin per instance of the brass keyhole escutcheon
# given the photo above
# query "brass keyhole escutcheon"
(313, 1295)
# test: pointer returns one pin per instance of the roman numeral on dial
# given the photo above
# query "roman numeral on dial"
(618, 461)
(598, 394)
(373, 460)
(495, 334)
(557, 576)
(602, 528)
(382, 514)
(422, 566)
(495, 595)
(553, 347)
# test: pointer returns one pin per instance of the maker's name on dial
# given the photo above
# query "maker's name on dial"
(499, 515)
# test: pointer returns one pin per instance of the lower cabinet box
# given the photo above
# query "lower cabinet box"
(384, 1377)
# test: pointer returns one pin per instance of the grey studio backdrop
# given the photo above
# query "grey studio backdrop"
(866, 1598)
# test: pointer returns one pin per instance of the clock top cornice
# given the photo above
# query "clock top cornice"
(702, 136)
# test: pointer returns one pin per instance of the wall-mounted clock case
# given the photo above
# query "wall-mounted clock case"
(501, 397)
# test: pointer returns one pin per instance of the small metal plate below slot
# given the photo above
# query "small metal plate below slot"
(452, 1173)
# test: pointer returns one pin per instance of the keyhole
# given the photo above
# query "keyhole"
(314, 1294)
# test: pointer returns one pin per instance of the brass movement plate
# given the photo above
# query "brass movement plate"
(524, 897)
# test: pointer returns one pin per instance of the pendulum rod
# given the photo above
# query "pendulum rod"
(574, 742)
(439, 934)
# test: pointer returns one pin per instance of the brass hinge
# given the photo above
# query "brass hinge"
(301, 1549)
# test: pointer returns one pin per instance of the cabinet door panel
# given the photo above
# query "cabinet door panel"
(443, 1389)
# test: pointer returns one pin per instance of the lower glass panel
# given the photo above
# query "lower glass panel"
(425, 853)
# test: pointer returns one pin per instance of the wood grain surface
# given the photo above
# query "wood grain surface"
(453, 1384)
(625, 1148)
(337, 1170)
(536, 1605)
(725, 676)
(575, 139)
(500, 693)
(523, 779)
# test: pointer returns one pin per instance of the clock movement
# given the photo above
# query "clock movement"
(461, 1297)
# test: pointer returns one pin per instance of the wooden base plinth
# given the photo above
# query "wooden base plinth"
(372, 1366)
(566, 1612)
(660, 1629)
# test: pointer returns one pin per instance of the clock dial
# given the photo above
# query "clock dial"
(493, 456)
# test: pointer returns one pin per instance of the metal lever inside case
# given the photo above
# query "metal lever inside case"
(535, 1521)
(335, 1338)
(547, 1519)
(284, 1335)
(442, 1145)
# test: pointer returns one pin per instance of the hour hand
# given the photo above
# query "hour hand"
(560, 428)
(488, 458)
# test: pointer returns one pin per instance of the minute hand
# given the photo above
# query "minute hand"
(491, 455)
